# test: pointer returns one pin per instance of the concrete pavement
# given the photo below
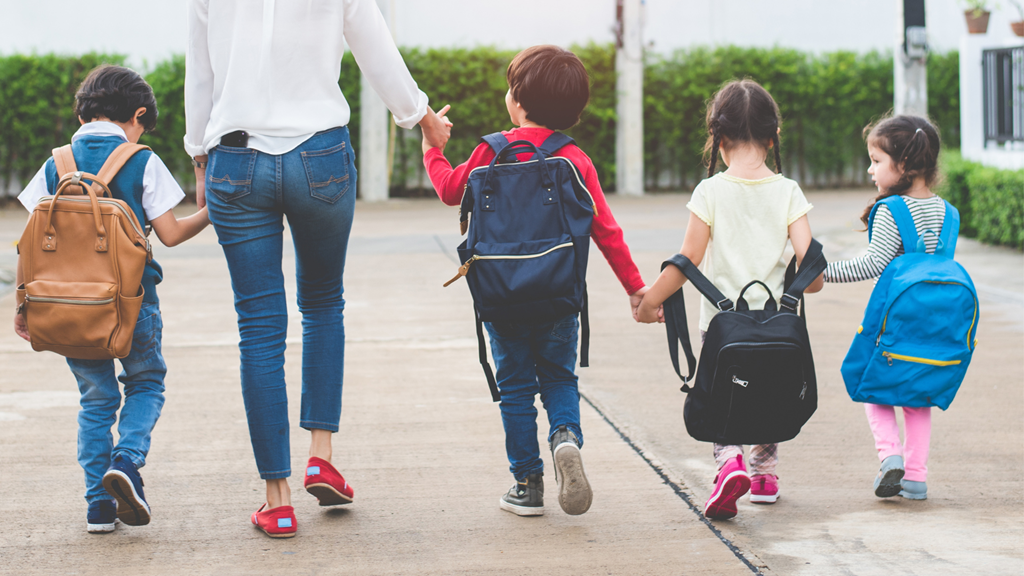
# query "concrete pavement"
(423, 446)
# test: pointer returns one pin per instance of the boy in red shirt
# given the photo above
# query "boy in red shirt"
(548, 90)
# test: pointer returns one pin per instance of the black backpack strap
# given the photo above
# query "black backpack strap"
(555, 142)
(676, 327)
(496, 141)
(491, 382)
(813, 265)
(585, 330)
(699, 281)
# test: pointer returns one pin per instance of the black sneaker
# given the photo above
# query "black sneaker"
(526, 498)
(101, 516)
(574, 494)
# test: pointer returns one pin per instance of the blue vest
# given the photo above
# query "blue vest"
(90, 154)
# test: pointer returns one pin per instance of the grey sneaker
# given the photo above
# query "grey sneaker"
(914, 490)
(526, 497)
(887, 483)
(574, 494)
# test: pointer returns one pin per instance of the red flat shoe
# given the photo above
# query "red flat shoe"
(277, 522)
(324, 482)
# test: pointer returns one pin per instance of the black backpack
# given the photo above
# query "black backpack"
(755, 383)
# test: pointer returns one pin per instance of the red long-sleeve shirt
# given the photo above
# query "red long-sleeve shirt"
(450, 183)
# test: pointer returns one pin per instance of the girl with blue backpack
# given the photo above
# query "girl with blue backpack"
(920, 326)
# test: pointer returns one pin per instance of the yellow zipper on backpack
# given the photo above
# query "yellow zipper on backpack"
(464, 269)
(890, 357)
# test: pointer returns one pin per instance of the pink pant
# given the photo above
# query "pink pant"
(918, 431)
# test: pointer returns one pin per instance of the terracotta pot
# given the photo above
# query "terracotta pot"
(1018, 28)
(977, 22)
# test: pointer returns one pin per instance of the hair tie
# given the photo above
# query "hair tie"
(918, 130)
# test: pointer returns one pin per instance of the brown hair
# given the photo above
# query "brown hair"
(115, 92)
(742, 111)
(551, 84)
(913, 144)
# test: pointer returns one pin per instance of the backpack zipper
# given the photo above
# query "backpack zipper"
(464, 269)
(48, 300)
(974, 320)
(575, 171)
(890, 357)
(112, 203)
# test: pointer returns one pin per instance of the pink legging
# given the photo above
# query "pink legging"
(918, 431)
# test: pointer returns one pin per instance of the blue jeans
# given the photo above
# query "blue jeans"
(531, 359)
(249, 193)
(142, 373)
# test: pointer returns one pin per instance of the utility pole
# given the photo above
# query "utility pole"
(910, 78)
(629, 85)
(373, 135)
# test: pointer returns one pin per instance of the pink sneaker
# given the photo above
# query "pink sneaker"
(731, 483)
(764, 489)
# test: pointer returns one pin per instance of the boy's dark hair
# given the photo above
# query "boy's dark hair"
(115, 93)
(742, 111)
(551, 84)
(913, 144)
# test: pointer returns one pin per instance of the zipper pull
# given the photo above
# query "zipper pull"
(888, 357)
(21, 308)
(879, 339)
(463, 270)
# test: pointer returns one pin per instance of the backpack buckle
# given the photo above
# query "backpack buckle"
(789, 302)
(725, 304)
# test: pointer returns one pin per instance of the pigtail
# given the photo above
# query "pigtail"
(778, 153)
(715, 144)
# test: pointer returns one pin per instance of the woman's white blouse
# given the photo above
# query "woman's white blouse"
(271, 68)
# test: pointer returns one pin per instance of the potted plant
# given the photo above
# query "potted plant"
(977, 14)
(1018, 26)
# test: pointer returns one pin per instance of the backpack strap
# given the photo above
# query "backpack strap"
(496, 141)
(555, 142)
(813, 265)
(699, 281)
(950, 232)
(117, 160)
(904, 221)
(64, 160)
(482, 348)
(585, 330)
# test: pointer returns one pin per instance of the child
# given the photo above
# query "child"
(904, 153)
(115, 105)
(548, 90)
(742, 219)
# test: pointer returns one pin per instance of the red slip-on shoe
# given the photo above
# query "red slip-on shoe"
(277, 522)
(326, 483)
(732, 482)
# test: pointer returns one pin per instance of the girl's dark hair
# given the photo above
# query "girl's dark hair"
(115, 93)
(742, 111)
(551, 84)
(913, 144)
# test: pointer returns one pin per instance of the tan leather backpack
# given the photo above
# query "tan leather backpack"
(83, 253)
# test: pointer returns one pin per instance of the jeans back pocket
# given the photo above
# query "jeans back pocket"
(229, 174)
(328, 172)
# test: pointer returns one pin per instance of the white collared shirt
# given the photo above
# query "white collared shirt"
(160, 191)
(271, 68)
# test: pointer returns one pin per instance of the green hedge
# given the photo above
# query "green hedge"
(990, 201)
(825, 100)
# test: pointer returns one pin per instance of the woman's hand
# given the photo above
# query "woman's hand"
(201, 182)
(436, 129)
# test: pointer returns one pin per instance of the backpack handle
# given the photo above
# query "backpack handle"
(74, 179)
(518, 147)
(769, 304)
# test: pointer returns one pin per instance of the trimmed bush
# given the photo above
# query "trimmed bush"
(990, 200)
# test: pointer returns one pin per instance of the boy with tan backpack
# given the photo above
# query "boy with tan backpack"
(87, 281)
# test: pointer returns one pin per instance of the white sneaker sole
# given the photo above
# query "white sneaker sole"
(99, 528)
(574, 493)
(764, 498)
(520, 510)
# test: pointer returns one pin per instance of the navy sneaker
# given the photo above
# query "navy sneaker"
(101, 516)
(122, 481)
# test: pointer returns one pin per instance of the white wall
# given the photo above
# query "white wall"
(151, 30)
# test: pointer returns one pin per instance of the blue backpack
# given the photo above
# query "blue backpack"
(920, 327)
(525, 255)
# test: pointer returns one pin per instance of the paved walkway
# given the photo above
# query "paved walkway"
(422, 443)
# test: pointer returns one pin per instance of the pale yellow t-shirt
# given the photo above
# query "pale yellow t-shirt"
(749, 222)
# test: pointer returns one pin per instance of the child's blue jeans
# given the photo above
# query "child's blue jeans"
(250, 193)
(142, 373)
(532, 359)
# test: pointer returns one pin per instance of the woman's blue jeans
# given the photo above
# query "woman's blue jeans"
(249, 193)
(532, 359)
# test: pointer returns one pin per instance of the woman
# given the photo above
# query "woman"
(266, 127)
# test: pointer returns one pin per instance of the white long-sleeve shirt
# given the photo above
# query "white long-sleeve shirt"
(271, 68)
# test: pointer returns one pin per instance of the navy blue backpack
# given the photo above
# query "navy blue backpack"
(525, 254)
(921, 324)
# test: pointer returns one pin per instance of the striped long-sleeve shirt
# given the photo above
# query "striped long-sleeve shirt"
(886, 244)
